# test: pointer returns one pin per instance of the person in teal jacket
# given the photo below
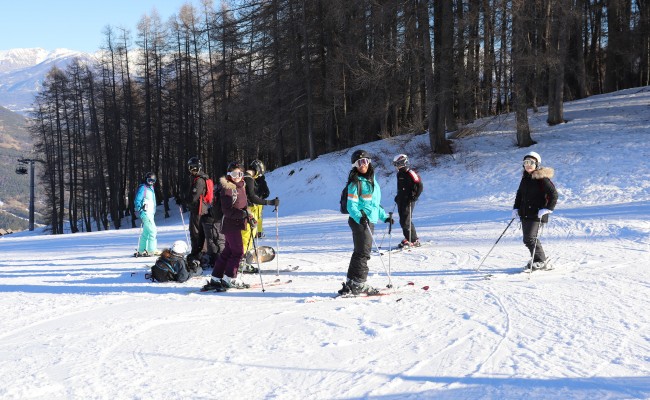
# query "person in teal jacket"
(145, 206)
(365, 210)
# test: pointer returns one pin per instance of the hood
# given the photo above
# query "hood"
(544, 172)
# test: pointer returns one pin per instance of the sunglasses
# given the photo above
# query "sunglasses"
(236, 174)
(151, 181)
(361, 162)
(530, 163)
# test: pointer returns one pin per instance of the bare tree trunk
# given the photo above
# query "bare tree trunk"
(557, 59)
(520, 58)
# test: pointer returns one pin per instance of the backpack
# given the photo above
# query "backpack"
(169, 268)
(343, 204)
(209, 191)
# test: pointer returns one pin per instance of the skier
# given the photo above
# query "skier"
(214, 240)
(145, 205)
(409, 188)
(255, 196)
(198, 208)
(536, 198)
(256, 169)
(365, 210)
(235, 219)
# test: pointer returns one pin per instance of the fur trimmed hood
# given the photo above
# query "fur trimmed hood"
(543, 172)
(226, 183)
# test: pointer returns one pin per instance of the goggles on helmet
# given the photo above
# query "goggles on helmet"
(236, 174)
(530, 163)
(151, 181)
(361, 162)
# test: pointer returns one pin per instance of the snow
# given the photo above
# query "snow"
(80, 321)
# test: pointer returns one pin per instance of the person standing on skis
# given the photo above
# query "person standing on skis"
(145, 206)
(365, 210)
(256, 170)
(535, 200)
(235, 219)
(198, 208)
(409, 188)
(255, 202)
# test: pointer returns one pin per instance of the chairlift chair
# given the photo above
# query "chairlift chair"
(21, 169)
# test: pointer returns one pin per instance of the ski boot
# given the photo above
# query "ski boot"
(358, 288)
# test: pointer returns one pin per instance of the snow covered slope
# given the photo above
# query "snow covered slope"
(80, 321)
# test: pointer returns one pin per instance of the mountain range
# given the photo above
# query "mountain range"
(22, 72)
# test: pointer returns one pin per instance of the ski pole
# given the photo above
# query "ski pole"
(390, 282)
(410, 223)
(488, 253)
(384, 235)
(390, 229)
(187, 238)
(277, 240)
(540, 229)
(257, 257)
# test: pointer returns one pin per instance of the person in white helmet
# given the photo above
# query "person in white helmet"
(409, 189)
(535, 200)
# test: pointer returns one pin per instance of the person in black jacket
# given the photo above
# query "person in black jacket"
(409, 189)
(195, 202)
(255, 203)
(535, 200)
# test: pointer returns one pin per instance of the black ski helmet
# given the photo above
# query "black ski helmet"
(235, 165)
(194, 164)
(357, 155)
(150, 176)
(258, 167)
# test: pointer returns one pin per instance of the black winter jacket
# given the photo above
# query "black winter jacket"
(409, 186)
(536, 191)
(194, 200)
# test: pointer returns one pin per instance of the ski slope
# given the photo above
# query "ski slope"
(79, 321)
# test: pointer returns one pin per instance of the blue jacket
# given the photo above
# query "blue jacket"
(145, 198)
(369, 201)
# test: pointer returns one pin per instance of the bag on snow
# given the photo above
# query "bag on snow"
(169, 267)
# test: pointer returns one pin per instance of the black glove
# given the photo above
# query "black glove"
(364, 219)
(143, 207)
(273, 202)
(389, 220)
(245, 212)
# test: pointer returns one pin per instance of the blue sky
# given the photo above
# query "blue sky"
(74, 24)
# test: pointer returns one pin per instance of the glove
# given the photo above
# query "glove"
(542, 212)
(515, 213)
(364, 219)
(389, 220)
(143, 207)
(252, 221)
(274, 202)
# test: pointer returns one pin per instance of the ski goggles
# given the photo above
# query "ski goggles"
(151, 181)
(530, 163)
(361, 162)
(236, 174)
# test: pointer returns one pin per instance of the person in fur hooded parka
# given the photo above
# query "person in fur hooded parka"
(535, 200)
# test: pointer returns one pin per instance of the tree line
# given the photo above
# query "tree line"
(285, 80)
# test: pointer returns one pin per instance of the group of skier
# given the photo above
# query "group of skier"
(535, 199)
(222, 230)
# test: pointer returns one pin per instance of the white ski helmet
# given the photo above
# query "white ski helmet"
(401, 160)
(179, 247)
(534, 155)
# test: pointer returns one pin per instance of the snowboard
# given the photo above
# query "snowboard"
(264, 254)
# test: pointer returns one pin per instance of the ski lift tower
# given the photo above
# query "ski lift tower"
(22, 171)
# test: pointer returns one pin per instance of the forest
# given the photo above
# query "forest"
(287, 80)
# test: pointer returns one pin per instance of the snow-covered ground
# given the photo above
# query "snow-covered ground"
(79, 321)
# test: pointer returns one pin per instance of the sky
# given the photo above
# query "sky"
(79, 320)
(74, 24)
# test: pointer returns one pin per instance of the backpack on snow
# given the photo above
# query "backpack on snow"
(169, 267)
(343, 203)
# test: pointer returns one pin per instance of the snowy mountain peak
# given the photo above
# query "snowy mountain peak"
(22, 72)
